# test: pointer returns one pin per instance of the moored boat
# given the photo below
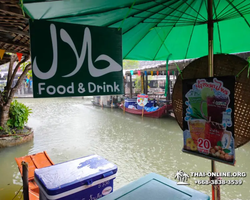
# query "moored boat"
(105, 101)
(104, 105)
(160, 112)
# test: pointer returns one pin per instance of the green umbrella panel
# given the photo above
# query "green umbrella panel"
(152, 30)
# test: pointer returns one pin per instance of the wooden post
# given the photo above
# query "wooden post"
(25, 180)
(124, 84)
(123, 107)
(146, 84)
(210, 24)
(130, 87)
(111, 102)
(142, 111)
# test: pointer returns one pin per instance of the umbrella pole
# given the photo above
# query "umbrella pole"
(215, 188)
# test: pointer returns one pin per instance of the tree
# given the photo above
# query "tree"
(6, 96)
(130, 64)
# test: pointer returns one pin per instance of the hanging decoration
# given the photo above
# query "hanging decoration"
(131, 72)
(145, 73)
(19, 55)
(168, 73)
(139, 73)
(1, 53)
(157, 73)
(152, 73)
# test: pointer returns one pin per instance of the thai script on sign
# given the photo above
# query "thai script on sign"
(216, 84)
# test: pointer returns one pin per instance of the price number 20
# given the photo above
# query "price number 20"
(203, 143)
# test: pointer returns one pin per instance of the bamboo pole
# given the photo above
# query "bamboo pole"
(123, 107)
(25, 180)
(215, 188)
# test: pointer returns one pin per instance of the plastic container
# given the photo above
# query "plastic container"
(130, 102)
(86, 178)
(149, 104)
(155, 187)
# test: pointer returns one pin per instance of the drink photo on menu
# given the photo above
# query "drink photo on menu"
(208, 109)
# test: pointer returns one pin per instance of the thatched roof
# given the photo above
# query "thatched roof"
(14, 29)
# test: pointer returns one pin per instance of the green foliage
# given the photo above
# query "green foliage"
(29, 73)
(130, 64)
(19, 114)
(6, 130)
(138, 82)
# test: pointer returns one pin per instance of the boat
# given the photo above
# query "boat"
(161, 112)
(35, 161)
(105, 101)
(103, 105)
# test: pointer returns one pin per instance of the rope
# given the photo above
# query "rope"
(17, 192)
(21, 5)
(169, 53)
(127, 14)
(247, 66)
(166, 85)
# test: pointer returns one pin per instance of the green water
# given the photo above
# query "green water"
(69, 128)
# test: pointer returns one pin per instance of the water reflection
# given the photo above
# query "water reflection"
(69, 128)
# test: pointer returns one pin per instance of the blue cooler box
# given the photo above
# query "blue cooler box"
(85, 178)
(155, 187)
(130, 102)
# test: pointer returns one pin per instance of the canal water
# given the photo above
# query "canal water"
(69, 128)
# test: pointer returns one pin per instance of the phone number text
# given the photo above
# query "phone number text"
(218, 182)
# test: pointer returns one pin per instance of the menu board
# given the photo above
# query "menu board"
(208, 118)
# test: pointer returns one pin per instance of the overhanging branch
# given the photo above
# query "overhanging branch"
(16, 69)
(20, 80)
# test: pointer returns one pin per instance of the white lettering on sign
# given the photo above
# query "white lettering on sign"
(86, 45)
(61, 89)
(51, 90)
(92, 88)
(40, 87)
(102, 88)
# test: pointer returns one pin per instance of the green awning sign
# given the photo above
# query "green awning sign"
(75, 60)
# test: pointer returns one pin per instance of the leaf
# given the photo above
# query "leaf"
(219, 144)
(226, 150)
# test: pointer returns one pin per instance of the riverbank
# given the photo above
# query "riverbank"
(21, 136)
